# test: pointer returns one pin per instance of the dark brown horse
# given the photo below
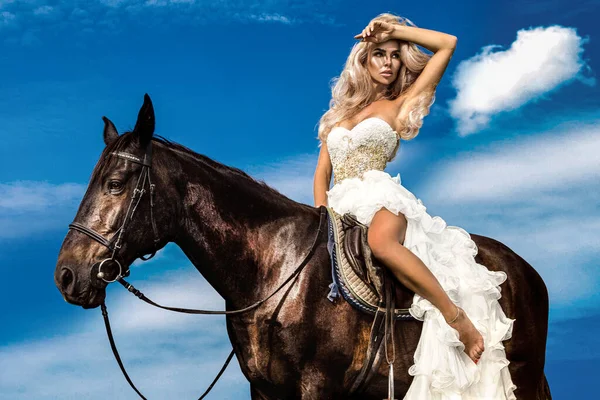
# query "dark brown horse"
(245, 238)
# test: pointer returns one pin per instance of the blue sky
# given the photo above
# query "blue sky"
(510, 151)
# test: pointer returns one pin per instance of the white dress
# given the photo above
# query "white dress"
(441, 370)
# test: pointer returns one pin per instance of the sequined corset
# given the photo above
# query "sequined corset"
(369, 145)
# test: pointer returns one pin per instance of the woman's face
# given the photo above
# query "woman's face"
(384, 62)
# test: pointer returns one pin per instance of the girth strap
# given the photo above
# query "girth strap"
(375, 341)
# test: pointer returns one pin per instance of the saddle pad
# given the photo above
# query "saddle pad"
(345, 280)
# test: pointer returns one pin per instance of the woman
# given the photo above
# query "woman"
(382, 95)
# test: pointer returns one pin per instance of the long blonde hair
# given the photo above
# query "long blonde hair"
(353, 89)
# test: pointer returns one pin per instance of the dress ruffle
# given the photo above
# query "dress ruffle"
(441, 370)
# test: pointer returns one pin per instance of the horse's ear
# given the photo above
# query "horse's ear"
(110, 132)
(144, 127)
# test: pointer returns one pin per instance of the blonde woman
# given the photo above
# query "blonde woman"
(382, 95)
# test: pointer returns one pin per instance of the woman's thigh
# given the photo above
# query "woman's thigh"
(385, 227)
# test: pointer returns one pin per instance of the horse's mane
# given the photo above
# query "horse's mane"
(125, 140)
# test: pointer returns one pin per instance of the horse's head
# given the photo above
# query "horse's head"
(117, 220)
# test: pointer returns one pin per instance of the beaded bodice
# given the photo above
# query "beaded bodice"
(369, 145)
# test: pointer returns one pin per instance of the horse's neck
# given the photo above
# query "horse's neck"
(242, 236)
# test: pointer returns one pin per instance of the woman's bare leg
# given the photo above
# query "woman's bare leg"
(385, 236)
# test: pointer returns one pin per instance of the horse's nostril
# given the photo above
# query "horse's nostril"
(67, 280)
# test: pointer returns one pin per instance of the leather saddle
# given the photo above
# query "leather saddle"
(359, 255)
(361, 278)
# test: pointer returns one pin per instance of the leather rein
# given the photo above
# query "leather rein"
(115, 244)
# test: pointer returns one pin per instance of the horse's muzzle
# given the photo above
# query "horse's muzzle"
(85, 291)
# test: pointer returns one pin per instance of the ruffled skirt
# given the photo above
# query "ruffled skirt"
(441, 370)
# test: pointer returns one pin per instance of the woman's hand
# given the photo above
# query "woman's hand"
(377, 32)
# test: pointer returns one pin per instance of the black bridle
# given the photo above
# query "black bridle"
(115, 244)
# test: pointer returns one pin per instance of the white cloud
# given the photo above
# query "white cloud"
(537, 62)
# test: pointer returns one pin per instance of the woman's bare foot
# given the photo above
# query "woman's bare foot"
(468, 334)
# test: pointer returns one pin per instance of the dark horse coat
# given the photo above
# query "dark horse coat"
(246, 238)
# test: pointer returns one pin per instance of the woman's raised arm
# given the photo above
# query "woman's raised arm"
(441, 44)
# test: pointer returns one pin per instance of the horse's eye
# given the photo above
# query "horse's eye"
(115, 186)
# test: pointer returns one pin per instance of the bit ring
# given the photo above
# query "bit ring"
(101, 274)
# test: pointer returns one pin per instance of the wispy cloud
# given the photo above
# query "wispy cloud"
(271, 18)
(565, 157)
(43, 10)
(167, 356)
(537, 62)
(163, 366)
(539, 196)
(28, 207)
(6, 18)
(292, 176)
(177, 289)
(28, 196)
(99, 13)
(4, 3)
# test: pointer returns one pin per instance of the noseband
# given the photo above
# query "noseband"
(116, 242)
